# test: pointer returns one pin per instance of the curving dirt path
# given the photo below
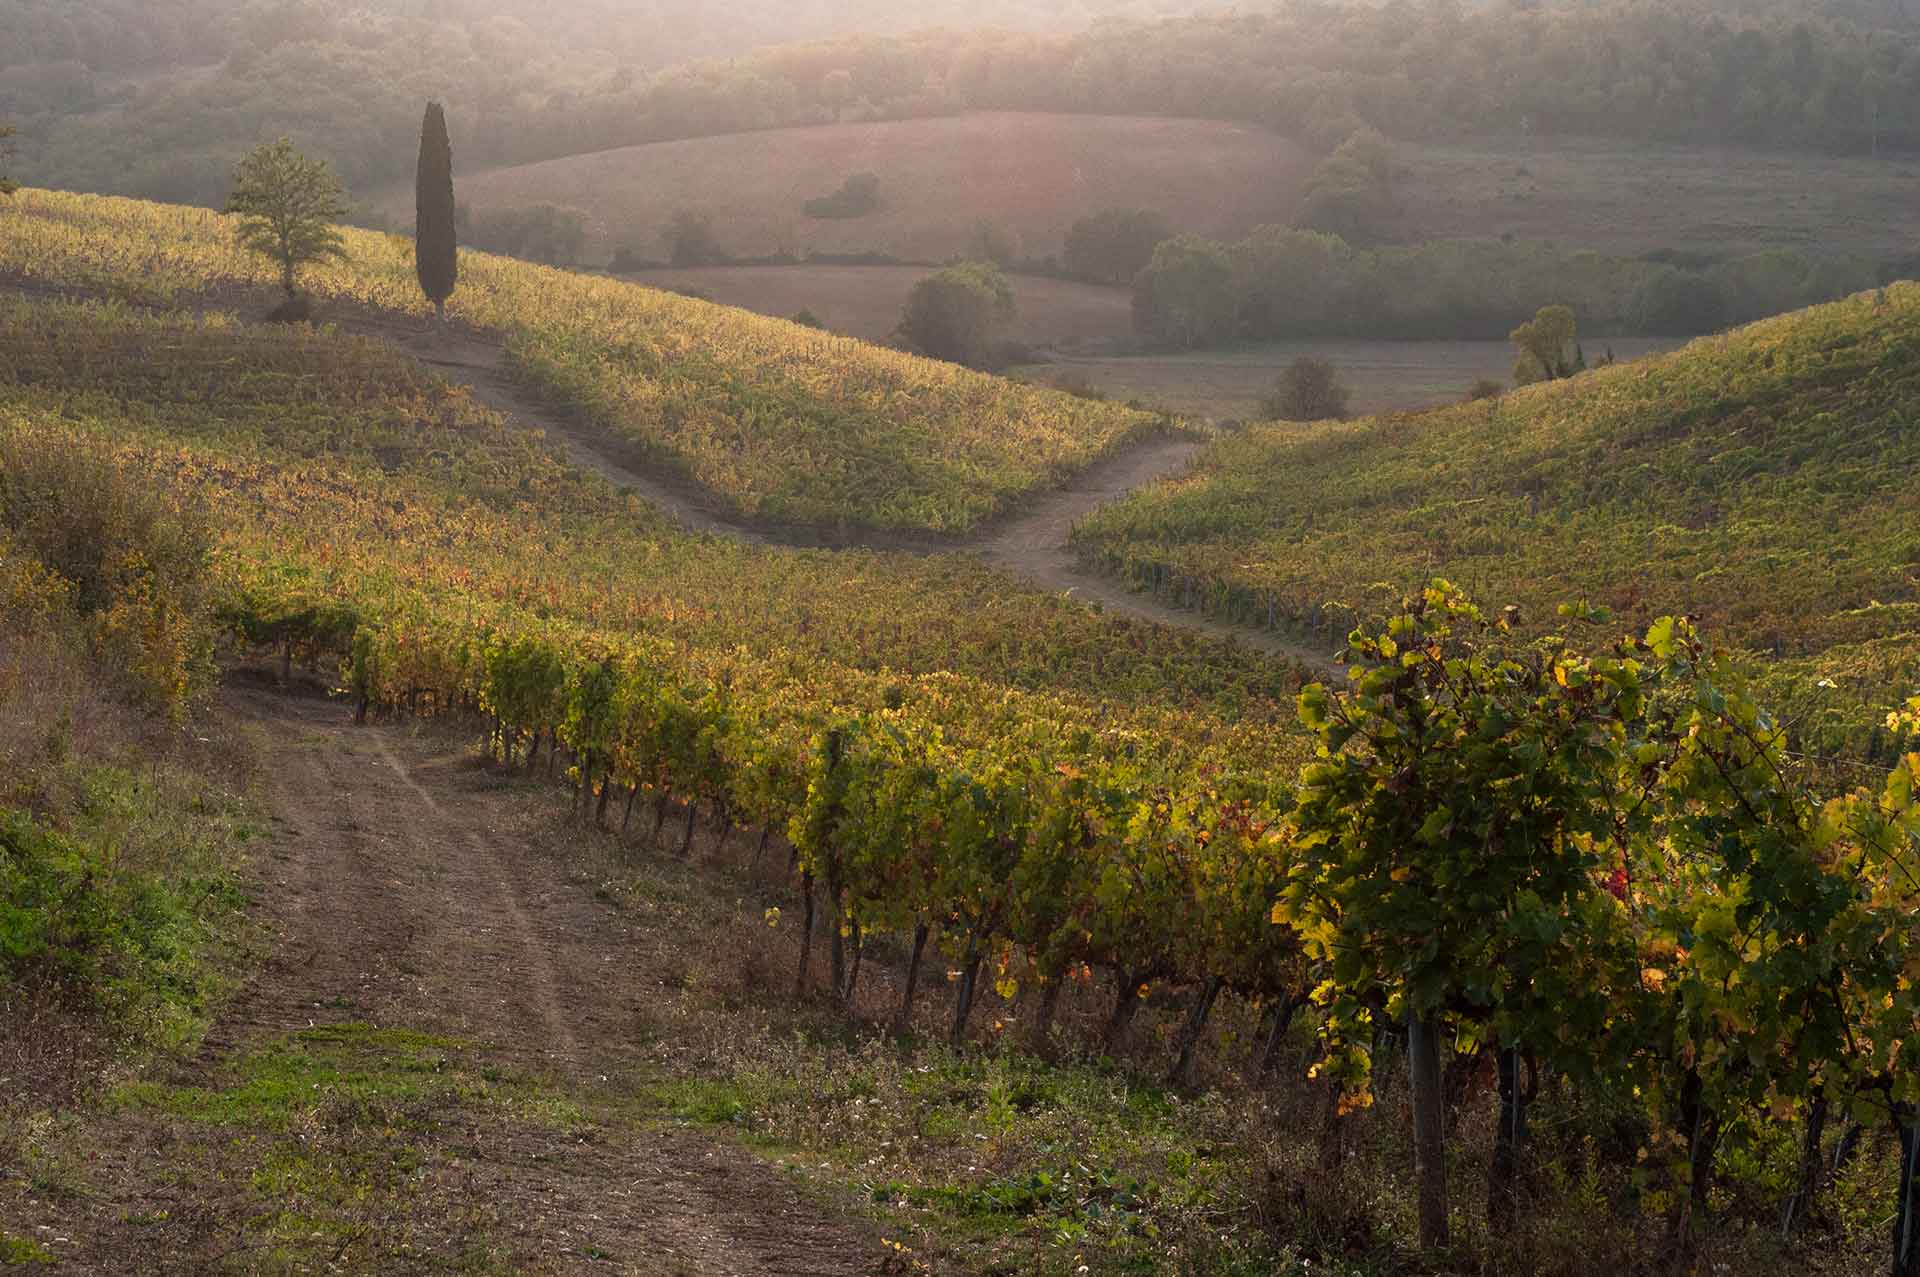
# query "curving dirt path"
(1031, 543)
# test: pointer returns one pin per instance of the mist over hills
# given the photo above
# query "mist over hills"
(157, 100)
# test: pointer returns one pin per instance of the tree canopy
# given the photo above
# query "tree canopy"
(288, 206)
(435, 242)
(529, 82)
(956, 313)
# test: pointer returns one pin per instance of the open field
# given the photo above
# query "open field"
(866, 301)
(1630, 200)
(1033, 174)
(1385, 376)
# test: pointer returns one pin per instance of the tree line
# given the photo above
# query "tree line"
(1315, 70)
(1281, 282)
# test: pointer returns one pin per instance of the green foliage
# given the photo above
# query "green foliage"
(1183, 298)
(992, 242)
(1112, 247)
(690, 240)
(7, 185)
(1761, 481)
(287, 205)
(1546, 346)
(106, 919)
(1309, 390)
(956, 314)
(550, 233)
(532, 82)
(435, 242)
(775, 423)
(1353, 191)
(131, 564)
(1282, 283)
(858, 196)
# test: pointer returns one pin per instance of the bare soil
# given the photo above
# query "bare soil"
(403, 888)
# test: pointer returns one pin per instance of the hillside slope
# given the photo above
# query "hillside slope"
(1032, 174)
(777, 423)
(1767, 480)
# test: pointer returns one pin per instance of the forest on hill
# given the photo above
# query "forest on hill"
(342, 81)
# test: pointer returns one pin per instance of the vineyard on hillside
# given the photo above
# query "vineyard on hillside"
(1596, 861)
(780, 423)
(1765, 481)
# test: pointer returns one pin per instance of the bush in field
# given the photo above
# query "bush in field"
(690, 240)
(1485, 388)
(992, 242)
(1309, 390)
(550, 233)
(858, 196)
(1114, 246)
(1547, 347)
(955, 314)
(132, 569)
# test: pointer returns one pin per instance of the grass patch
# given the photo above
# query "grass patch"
(20, 1251)
(351, 1070)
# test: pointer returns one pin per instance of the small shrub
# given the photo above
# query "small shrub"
(1485, 388)
(1309, 390)
(549, 233)
(955, 314)
(691, 242)
(807, 319)
(137, 569)
(858, 196)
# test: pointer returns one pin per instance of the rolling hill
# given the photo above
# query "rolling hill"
(1032, 174)
(1767, 481)
(770, 421)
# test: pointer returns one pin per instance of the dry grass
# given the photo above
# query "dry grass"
(1034, 174)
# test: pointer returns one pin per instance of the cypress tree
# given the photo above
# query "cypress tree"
(434, 241)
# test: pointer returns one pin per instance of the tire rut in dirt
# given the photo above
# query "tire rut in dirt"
(392, 896)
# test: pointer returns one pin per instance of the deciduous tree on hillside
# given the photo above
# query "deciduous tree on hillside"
(435, 242)
(954, 314)
(1548, 347)
(288, 205)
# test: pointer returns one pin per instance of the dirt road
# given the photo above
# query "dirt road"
(399, 890)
